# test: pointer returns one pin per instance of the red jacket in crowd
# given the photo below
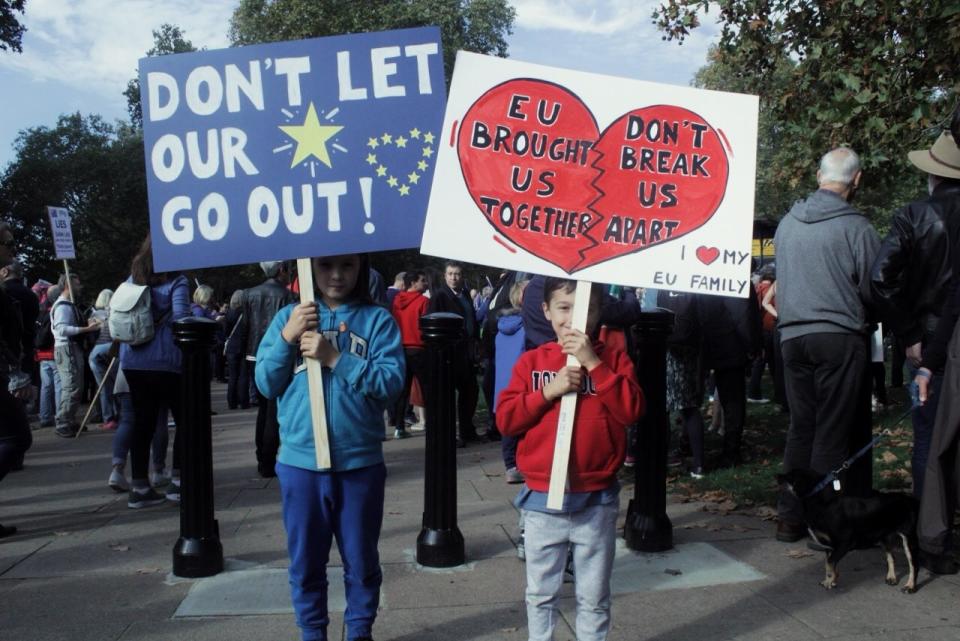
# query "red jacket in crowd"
(408, 307)
(610, 399)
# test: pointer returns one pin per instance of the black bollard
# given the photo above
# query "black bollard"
(440, 543)
(198, 551)
(648, 528)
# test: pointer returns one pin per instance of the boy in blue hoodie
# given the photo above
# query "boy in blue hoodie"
(359, 345)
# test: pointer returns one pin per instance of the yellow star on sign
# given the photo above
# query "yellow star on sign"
(404, 190)
(413, 177)
(400, 141)
(372, 143)
(428, 138)
(386, 138)
(414, 133)
(381, 171)
(371, 159)
(422, 165)
(427, 152)
(392, 181)
(311, 138)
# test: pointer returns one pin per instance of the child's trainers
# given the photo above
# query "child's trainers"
(140, 497)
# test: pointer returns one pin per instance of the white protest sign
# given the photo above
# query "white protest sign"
(62, 233)
(596, 178)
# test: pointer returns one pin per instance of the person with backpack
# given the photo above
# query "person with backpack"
(69, 331)
(151, 363)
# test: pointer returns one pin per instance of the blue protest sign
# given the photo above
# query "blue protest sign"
(291, 149)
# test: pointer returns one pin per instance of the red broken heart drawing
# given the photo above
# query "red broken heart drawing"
(543, 175)
(707, 255)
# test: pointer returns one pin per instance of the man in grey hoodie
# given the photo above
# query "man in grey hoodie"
(825, 249)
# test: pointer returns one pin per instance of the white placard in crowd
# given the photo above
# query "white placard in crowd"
(62, 233)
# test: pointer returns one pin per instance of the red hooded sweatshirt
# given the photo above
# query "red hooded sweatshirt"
(609, 401)
(408, 307)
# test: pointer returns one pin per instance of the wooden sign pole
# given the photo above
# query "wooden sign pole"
(318, 411)
(67, 283)
(96, 397)
(568, 408)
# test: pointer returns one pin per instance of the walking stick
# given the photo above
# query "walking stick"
(96, 396)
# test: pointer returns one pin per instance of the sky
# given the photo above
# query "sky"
(78, 55)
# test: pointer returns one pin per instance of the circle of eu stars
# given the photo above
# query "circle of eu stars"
(414, 142)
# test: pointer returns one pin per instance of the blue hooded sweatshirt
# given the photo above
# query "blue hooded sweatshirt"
(509, 342)
(366, 379)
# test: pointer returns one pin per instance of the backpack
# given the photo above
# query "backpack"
(131, 314)
(44, 337)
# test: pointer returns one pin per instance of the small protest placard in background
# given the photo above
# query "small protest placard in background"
(291, 149)
(595, 178)
(62, 233)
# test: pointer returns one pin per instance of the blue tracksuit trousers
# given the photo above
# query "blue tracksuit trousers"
(316, 507)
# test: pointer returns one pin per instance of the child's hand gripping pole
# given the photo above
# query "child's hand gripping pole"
(568, 407)
(318, 412)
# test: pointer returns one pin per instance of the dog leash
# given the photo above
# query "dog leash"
(834, 475)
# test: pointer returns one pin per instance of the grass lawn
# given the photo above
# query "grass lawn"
(754, 484)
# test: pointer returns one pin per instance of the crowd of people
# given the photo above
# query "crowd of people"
(812, 321)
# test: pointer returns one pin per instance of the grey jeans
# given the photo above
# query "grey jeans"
(69, 360)
(591, 534)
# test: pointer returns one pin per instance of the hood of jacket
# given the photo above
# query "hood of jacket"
(510, 324)
(405, 299)
(821, 205)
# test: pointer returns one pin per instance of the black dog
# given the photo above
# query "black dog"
(843, 523)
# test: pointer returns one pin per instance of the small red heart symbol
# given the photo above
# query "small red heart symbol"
(536, 165)
(707, 255)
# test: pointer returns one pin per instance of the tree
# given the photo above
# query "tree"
(166, 40)
(11, 31)
(776, 187)
(473, 25)
(94, 170)
(879, 75)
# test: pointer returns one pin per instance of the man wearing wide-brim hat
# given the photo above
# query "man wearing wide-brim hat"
(913, 283)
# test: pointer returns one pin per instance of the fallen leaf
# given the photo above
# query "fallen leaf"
(120, 547)
(889, 457)
(148, 570)
(766, 513)
(727, 506)
(799, 553)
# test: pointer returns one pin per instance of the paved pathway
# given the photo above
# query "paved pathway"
(85, 568)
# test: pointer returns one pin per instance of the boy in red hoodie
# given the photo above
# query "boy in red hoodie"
(609, 400)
